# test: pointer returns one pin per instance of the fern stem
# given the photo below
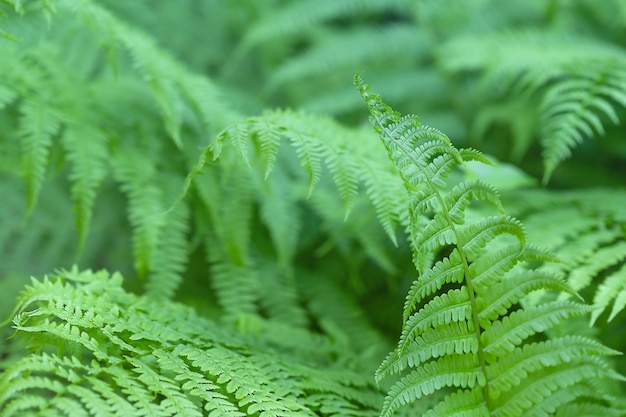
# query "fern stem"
(468, 282)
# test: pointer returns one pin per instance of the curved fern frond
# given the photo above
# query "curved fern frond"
(468, 325)
(591, 247)
(320, 144)
(574, 108)
(580, 87)
(38, 126)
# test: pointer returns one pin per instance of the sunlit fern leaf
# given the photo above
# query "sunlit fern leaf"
(602, 258)
(585, 409)
(487, 272)
(534, 356)
(309, 153)
(268, 135)
(452, 337)
(445, 271)
(515, 288)
(237, 134)
(452, 306)
(198, 385)
(455, 371)
(612, 289)
(502, 336)
(590, 248)
(466, 314)
(342, 168)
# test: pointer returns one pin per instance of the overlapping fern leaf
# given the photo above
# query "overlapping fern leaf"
(469, 337)
(99, 350)
(593, 245)
(580, 81)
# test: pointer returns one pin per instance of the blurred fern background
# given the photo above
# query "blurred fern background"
(112, 113)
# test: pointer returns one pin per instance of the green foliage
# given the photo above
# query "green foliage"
(216, 155)
(478, 334)
(120, 354)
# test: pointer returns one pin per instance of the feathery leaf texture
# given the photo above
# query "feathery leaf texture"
(320, 144)
(580, 80)
(120, 354)
(593, 245)
(281, 218)
(467, 325)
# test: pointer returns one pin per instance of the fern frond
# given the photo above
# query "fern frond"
(534, 356)
(171, 254)
(580, 87)
(228, 243)
(353, 50)
(319, 144)
(613, 288)
(455, 371)
(467, 313)
(86, 150)
(592, 245)
(38, 125)
(299, 16)
(145, 207)
(573, 109)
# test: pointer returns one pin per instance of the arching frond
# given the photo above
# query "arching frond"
(466, 325)
(581, 86)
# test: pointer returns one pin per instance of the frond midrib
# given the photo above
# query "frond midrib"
(459, 246)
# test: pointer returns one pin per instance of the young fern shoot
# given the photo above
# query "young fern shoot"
(470, 339)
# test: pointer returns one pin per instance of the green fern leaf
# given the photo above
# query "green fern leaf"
(468, 312)
(572, 109)
(120, 354)
(86, 150)
(146, 212)
(171, 254)
(38, 125)
(455, 371)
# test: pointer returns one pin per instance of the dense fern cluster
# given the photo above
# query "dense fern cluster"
(477, 335)
(217, 155)
(126, 355)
